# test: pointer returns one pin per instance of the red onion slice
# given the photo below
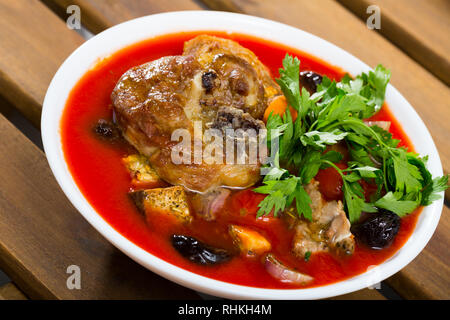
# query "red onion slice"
(217, 203)
(287, 275)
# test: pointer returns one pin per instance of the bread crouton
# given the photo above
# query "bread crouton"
(171, 200)
(140, 170)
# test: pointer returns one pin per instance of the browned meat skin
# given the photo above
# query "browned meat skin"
(232, 118)
(241, 75)
(149, 101)
(328, 230)
(152, 100)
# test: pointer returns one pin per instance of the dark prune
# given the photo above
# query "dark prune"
(378, 229)
(310, 80)
(197, 251)
(208, 80)
(107, 130)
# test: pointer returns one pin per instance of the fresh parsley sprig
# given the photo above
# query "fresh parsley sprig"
(335, 113)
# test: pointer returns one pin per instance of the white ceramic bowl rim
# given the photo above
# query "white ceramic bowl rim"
(130, 32)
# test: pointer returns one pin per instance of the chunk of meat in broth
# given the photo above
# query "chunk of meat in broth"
(329, 229)
(151, 101)
(229, 57)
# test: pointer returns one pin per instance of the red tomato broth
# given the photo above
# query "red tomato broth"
(98, 170)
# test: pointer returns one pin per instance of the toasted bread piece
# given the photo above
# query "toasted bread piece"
(140, 170)
(172, 201)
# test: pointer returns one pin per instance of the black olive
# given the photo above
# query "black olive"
(378, 229)
(197, 251)
(107, 130)
(310, 80)
(208, 80)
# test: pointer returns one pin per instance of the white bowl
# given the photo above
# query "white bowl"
(122, 35)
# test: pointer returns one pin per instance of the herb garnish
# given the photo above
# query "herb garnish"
(307, 255)
(335, 113)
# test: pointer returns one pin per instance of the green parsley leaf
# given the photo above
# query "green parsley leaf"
(289, 80)
(334, 114)
(430, 192)
(322, 139)
(392, 203)
(307, 255)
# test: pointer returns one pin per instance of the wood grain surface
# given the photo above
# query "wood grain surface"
(100, 15)
(331, 21)
(34, 43)
(428, 275)
(420, 28)
(363, 294)
(10, 292)
(42, 235)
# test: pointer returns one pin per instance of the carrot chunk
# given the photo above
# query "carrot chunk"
(278, 106)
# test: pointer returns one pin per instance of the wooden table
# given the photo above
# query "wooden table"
(41, 234)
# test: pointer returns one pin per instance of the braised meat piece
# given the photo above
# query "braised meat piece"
(149, 101)
(215, 78)
(242, 71)
(328, 230)
(233, 118)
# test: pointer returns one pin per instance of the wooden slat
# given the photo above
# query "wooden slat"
(10, 292)
(100, 15)
(41, 234)
(421, 28)
(429, 96)
(428, 276)
(364, 294)
(34, 42)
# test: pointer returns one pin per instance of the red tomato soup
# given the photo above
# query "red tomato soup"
(100, 174)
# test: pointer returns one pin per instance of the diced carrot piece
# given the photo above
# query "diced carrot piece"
(249, 242)
(278, 106)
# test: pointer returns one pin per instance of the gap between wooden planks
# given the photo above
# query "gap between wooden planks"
(421, 28)
(34, 43)
(10, 292)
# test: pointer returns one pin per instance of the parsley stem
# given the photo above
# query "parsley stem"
(361, 124)
(384, 175)
(311, 128)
